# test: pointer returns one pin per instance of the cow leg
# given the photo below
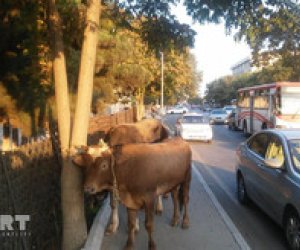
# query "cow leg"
(186, 190)
(114, 216)
(175, 219)
(149, 214)
(159, 206)
(137, 225)
(131, 214)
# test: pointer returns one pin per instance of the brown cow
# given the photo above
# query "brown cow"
(144, 131)
(139, 173)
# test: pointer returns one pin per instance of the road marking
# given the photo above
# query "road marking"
(217, 180)
(232, 228)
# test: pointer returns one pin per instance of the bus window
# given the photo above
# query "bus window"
(289, 101)
(261, 102)
(243, 100)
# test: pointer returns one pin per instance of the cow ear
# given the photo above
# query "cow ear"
(82, 160)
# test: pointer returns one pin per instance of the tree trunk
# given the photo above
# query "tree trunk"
(74, 224)
(86, 74)
(75, 231)
(140, 104)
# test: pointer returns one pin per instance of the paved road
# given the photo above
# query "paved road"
(216, 163)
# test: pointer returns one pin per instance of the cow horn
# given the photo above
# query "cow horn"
(81, 149)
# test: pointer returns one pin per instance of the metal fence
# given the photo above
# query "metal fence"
(30, 185)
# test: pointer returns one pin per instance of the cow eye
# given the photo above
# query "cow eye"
(104, 165)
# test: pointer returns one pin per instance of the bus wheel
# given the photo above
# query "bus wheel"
(245, 128)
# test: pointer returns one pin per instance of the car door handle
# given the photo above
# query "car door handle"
(260, 165)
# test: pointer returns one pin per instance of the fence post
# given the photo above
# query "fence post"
(1, 136)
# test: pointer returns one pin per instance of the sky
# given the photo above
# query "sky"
(215, 52)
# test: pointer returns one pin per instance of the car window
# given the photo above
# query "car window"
(258, 144)
(275, 149)
(295, 153)
(193, 119)
(217, 112)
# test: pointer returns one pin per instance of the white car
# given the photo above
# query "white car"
(193, 126)
(229, 109)
(218, 116)
(178, 110)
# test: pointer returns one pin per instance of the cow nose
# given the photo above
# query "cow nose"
(89, 189)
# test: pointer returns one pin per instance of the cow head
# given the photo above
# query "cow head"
(96, 165)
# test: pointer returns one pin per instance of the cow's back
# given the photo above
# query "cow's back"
(157, 167)
(145, 131)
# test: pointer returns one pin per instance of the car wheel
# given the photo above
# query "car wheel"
(245, 132)
(241, 190)
(292, 230)
(234, 127)
(264, 126)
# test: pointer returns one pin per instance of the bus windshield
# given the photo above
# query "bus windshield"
(290, 101)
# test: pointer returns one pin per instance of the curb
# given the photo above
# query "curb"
(239, 239)
(96, 234)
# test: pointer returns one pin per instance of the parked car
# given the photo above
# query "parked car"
(194, 126)
(231, 121)
(268, 173)
(229, 109)
(218, 116)
(177, 110)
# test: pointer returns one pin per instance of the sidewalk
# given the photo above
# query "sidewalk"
(210, 227)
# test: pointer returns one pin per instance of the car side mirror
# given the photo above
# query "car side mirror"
(273, 163)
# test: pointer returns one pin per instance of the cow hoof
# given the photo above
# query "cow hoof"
(128, 247)
(110, 230)
(174, 223)
(158, 212)
(185, 225)
(152, 246)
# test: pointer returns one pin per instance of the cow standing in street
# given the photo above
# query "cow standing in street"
(144, 131)
(139, 173)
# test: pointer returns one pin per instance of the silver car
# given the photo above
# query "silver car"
(268, 173)
(218, 116)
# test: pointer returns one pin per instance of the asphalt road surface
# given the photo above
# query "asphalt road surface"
(216, 162)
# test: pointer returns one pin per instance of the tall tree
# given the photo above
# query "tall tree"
(74, 225)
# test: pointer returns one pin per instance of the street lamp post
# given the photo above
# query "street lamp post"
(162, 81)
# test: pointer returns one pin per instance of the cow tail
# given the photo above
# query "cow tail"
(180, 197)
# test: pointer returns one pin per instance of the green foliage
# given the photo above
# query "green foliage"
(180, 77)
(24, 51)
(225, 89)
(159, 28)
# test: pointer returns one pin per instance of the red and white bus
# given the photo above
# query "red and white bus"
(274, 105)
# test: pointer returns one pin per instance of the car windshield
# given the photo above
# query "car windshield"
(295, 153)
(193, 119)
(219, 112)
